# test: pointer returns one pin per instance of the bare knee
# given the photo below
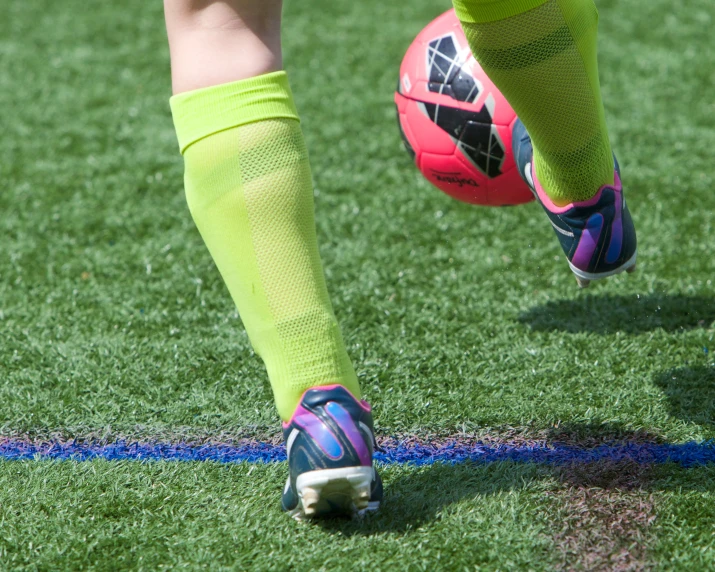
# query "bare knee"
(214, 42)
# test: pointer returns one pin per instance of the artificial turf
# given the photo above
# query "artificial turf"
(114, 321)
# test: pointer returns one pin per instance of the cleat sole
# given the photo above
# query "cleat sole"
(334, 492)
(585, 278)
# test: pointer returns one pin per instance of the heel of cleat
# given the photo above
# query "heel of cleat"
(329, 444)
(582, 282)
(334, 492)
(584, 279)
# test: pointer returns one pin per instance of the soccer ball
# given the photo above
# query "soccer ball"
(454, 121)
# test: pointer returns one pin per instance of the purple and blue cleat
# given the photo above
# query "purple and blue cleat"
(330, 443)
(597, 235)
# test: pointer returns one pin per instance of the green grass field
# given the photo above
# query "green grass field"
(114, 321)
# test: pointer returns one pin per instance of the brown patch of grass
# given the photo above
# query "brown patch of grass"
(606, 516)
(604, 530)
(589, 436)
(624, 475)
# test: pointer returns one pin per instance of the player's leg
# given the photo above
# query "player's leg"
(249, 188)
(542, 54)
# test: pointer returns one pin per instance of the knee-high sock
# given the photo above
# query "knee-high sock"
(542, 55)
(249, 190)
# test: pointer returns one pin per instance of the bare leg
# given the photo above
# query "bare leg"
(214, 42)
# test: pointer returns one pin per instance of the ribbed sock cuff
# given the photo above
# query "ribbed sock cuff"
(203, 112)
(483, 11)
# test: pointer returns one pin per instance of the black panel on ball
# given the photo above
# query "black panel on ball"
(480, 144)
(442, 53)
(473, 134)
(446, 75)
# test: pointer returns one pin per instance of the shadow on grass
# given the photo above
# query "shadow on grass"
(630, 314)
(418, 495)
(691, 393)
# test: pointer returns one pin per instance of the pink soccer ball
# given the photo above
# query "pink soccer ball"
(454, 121)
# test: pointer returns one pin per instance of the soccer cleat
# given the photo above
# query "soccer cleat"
(597, 235)
(330, 442)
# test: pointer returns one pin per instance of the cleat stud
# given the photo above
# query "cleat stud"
(582, 282)
(631, 270)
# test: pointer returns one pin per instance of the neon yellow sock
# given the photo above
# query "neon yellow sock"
(249, 189)
(542, 55)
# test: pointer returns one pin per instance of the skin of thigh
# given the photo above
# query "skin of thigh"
(214, 42)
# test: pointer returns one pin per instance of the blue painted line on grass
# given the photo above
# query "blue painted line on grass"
(686, 455)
